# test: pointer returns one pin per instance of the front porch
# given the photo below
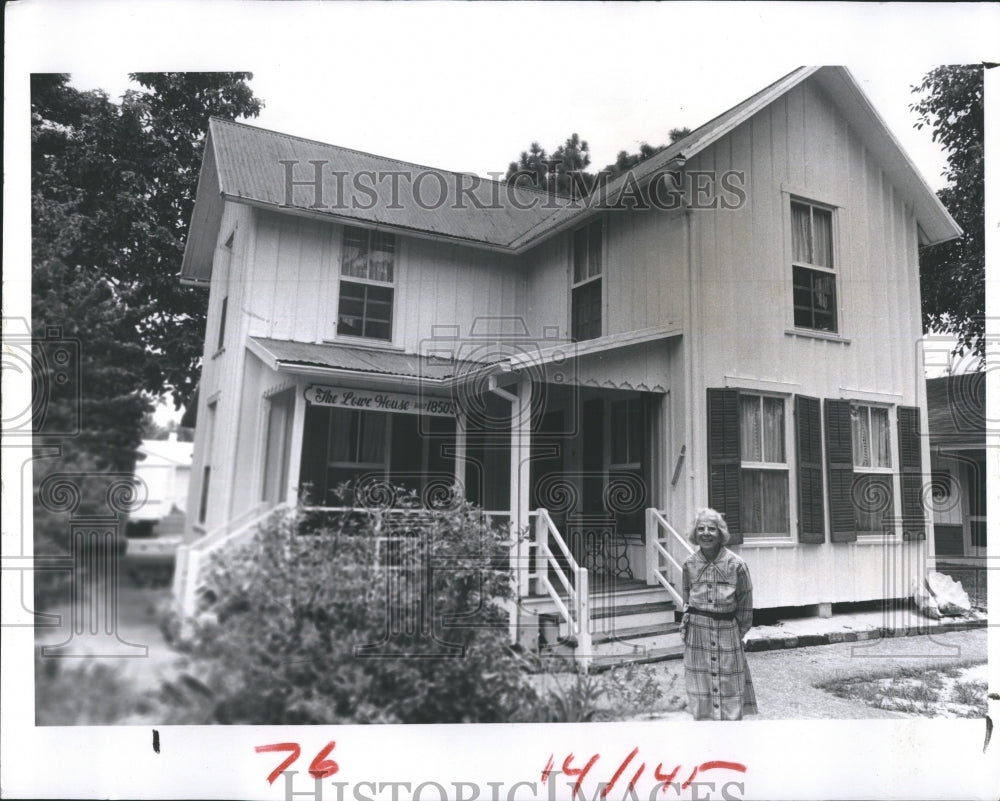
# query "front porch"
(568, 451)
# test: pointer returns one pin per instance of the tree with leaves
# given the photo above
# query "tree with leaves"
(565, 171)
(953, 274)
(112, 191)
(113, 187)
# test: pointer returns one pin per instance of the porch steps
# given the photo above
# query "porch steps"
(631, 625)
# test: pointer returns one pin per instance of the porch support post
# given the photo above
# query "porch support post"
(460, 423)
(520, 500)
(295, 448)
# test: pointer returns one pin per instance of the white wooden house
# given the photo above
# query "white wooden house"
(753, 346)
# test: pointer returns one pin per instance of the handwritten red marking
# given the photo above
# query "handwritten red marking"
(321, 767)
(721, 764)
(618, 773)
(665, 778)
(689, 779)
(547, 769)
(581, 772)
(638, 773)
(292, 747)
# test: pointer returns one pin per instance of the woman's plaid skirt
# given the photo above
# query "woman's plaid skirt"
(716, 673)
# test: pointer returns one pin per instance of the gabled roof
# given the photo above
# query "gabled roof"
(244, 163)
(956, 409)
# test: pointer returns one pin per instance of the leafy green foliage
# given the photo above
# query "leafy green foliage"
(363, 618)
(953, 274)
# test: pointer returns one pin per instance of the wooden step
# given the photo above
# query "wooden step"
(644, 608)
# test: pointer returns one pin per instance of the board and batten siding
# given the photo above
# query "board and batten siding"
(741, 331)
(296, 279)
(644, 274)
(799, 147)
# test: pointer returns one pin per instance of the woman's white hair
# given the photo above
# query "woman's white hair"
(710, 516)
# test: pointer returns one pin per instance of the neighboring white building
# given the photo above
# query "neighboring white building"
(753, 347)
(164, 467)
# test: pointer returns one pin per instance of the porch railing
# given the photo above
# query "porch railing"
(666, 551)
(575, 609)
(192, 557)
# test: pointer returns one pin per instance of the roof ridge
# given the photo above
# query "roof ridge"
(273, 132)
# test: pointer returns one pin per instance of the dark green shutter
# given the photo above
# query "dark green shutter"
(809, 442)
(910, 472)
(840, 469)
(724, 458)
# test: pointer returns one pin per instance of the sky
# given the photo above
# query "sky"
(467, 87)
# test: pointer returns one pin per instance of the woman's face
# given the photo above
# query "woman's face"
(708, 535)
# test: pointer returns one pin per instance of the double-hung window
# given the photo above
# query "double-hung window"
(763, 466)
(748, 463)
(814, 278)
(872, 493)
(367, 284)
(588, 246)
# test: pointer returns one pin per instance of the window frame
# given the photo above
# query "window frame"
(587, 280)
(888, 472)
(366, 282)
(815, 269)
(785, 467)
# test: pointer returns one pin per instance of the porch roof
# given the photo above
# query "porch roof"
(334, 358)
(956, 410)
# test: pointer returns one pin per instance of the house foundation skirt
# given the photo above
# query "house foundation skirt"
(716, 675)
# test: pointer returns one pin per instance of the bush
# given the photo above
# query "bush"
(363, 617)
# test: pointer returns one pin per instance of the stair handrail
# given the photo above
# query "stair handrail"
(662, 540)
(192, 557)
(576, 612)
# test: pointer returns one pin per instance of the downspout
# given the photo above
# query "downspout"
(693, 337)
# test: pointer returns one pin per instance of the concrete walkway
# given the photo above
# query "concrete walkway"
(855, 626)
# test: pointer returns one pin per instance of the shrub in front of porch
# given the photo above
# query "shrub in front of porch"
(364, 617)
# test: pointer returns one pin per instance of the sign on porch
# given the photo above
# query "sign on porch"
(377, 401)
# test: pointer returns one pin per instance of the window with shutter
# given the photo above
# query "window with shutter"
(840, 469)
(748, 465)
(724, 457)
(872, 491)
(809, 443)
(911, 473)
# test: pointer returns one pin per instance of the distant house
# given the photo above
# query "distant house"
(164, 467)
(956, 410)
(742, 334)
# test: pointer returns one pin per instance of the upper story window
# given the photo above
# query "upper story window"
(367, 284)
(814, 277)
(588, 247)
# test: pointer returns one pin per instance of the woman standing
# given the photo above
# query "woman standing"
(718, 612)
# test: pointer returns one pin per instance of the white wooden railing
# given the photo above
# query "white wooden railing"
(192, 557)
(575, 609)
(666, 551)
